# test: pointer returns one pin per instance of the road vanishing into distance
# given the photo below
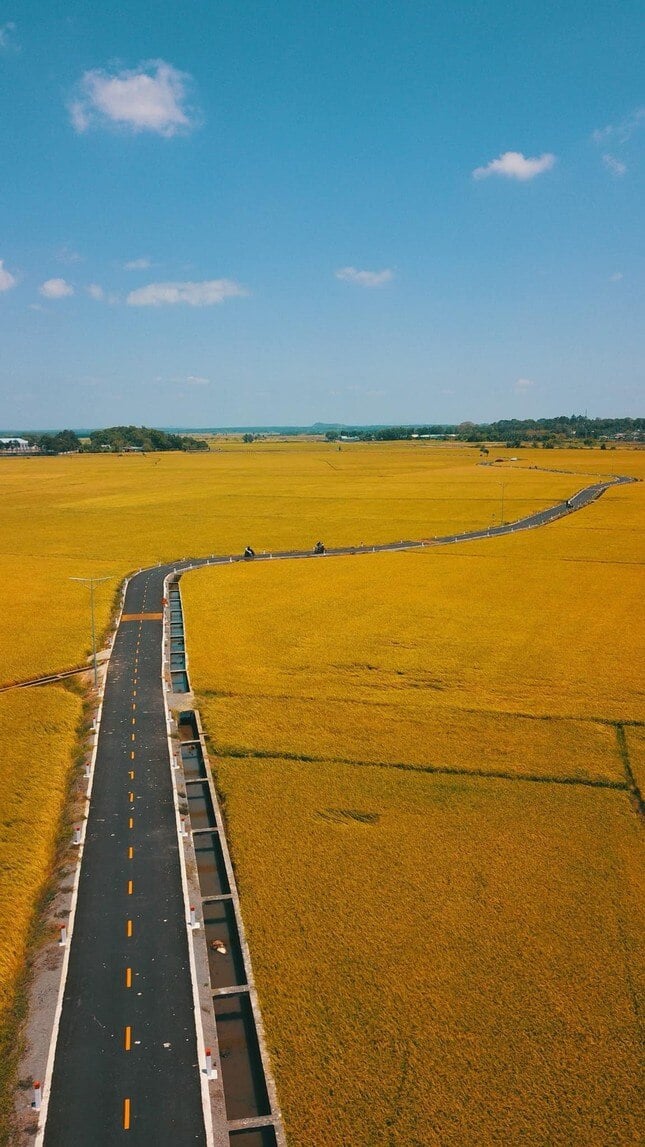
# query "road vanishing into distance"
(127, 1063)
(127, 1059)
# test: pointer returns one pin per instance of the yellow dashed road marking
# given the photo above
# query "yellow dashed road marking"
(141, 617)
(128, 977)
(126, 1114)
(128, 928)
(128, 1038)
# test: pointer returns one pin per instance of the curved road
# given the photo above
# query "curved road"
(126, 1061)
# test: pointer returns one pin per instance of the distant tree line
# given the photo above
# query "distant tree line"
(64, 442)
(511, 431)
(143, 438)
(116, 439)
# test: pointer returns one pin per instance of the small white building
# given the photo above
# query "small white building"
(15, 445)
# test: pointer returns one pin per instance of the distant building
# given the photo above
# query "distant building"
(15, 445)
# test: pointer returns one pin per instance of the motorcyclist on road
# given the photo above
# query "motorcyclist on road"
(249, 553)
(319, 548)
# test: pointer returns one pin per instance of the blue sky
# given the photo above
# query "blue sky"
(219, 213)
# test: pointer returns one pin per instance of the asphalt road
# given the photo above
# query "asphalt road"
(126, 1061)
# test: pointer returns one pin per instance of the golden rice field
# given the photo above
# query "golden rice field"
(315, 672)
(104, 516)
(38, 737)
(463, 953)
(460, 971)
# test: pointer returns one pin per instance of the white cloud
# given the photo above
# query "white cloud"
(615, 166)
(79, 117)
(204, 294)
(6, 35)
(622, 131)
(7, 280)
(365, 278)
(56, 289)
(67, 254)
(137, 264)
(100, 295)
(152, 97)
(514, 165)
(191, 380)
(524, 384)
(616, 277)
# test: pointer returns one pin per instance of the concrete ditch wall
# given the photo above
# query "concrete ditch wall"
(239, 1053)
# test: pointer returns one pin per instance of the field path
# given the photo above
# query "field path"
(126, 1061)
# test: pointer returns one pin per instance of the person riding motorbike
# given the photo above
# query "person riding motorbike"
(319, 548)
(249, 553)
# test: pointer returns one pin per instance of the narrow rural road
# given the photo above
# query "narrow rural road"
(126, 1060)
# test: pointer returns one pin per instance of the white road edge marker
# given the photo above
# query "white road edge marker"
(49, 1070)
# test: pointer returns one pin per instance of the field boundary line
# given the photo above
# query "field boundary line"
(47, 679)
(623, 750)
(513, 714)
(438, 770)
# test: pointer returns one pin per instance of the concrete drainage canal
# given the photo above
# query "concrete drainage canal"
(252, 1112)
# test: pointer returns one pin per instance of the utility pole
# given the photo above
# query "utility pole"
(503, 485)
(92, 581)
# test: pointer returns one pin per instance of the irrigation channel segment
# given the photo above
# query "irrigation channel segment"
(128, 1056)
